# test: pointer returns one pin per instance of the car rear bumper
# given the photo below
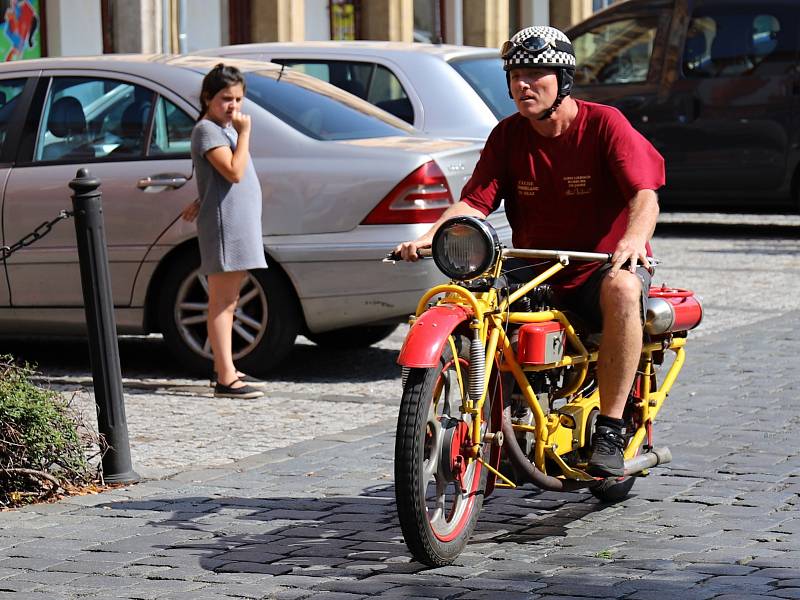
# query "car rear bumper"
(341, 279)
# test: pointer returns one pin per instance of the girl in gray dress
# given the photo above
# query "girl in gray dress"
(228, 214)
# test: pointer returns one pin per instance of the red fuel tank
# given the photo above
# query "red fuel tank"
(672, 309)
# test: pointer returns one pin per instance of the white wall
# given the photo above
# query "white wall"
(535, 12)
(74, 27)
(204, 26)
(318, 20)
(454, 21)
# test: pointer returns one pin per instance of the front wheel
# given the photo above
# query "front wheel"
(439, 491)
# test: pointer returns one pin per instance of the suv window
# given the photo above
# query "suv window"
(369, 81)
(10, 89)
(86, 118)
(616, 52)
(729, 41)
(324, 114)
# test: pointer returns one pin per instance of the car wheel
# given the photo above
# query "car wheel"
(266, 321)
(352, 337)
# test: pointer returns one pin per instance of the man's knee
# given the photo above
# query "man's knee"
(622, 291)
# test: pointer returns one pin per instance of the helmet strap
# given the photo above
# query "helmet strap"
(549, 112)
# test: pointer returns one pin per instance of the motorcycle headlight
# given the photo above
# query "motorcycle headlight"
(465, 247)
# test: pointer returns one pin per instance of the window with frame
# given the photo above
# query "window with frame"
(729, 41)
(172, 130)
(10, 91)
(86, 119)
(369, 81)
(615, 53)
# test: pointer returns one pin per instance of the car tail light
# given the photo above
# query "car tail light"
(421, 197)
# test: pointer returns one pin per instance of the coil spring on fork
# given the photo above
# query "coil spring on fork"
(477, 364)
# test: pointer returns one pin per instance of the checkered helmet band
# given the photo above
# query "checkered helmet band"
(556, 54)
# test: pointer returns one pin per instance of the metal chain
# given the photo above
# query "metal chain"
(37, 234)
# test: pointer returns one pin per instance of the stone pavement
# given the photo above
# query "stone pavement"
(317, 519)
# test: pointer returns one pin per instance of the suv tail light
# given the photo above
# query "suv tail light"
(421, 197)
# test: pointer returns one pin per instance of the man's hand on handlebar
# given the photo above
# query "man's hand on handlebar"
(410, 251)
(628, 255)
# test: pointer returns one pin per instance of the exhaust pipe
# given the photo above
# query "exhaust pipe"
(656, 456)
(528, 472)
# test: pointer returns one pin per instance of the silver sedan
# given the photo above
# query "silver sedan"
(445, 90)
(342, 183)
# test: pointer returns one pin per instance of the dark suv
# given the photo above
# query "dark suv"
(713, 84)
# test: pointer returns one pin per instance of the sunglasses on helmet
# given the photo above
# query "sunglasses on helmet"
(534, 45)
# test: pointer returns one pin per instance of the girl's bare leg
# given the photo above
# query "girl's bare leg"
(223, 295)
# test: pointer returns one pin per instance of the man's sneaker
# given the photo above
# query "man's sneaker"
(607, 459)
(227, 391)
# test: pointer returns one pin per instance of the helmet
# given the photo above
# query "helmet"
(541, 46)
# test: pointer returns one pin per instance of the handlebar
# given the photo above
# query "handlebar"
(603, 257)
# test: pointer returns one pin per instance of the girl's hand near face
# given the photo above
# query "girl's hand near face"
(240, 122)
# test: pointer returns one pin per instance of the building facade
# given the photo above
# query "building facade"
(76, 27)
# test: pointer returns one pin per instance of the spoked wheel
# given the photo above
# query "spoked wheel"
(439, 490)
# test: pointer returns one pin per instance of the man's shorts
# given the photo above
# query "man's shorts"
(584, 300)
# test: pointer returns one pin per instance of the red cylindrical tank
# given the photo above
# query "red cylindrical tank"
(672, 309)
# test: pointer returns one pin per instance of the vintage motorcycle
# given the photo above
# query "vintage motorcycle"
(500, 389)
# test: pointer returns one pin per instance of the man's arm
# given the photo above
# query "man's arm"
(642, 216)
(408, 250)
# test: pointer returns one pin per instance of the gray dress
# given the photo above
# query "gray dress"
(229, 223)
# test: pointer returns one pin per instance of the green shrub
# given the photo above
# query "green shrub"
(41, 451)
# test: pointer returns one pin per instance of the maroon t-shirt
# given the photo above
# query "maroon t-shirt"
(569, 192)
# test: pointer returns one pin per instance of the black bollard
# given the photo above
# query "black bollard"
(102, 328)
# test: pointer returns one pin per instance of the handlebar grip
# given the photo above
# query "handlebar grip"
(394, 255)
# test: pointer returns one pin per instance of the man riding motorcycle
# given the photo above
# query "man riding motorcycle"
(573, 174)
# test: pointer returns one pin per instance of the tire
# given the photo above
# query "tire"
(436, 518)
(265, 325)
(352, 337)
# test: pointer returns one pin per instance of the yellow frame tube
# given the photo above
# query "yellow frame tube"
(530, 285)
(659, 396)
(468, 296)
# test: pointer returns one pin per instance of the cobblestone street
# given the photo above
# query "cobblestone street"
(307, 508)
(317, 519)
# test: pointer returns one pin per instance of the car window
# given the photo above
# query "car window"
(319, 111)
(387, 93)
(370, 81)
(729, 41)
(86, 119)
(10, 89)
(172, 130)
(615, 53)
(487, 78)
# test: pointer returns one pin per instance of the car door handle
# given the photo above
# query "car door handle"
(169, 180)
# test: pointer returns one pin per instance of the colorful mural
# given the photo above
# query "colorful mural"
(21, 29)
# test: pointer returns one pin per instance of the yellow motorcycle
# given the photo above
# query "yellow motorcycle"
(500, 389)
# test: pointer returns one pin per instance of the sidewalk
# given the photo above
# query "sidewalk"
(317, 519)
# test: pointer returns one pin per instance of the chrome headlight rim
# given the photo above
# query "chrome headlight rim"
(488, 236)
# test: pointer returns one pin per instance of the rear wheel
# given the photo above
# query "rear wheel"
(439, 492)
(265, 324)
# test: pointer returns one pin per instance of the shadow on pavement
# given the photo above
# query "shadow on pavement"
(353, 545)
(320, 536)
(149, 357)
